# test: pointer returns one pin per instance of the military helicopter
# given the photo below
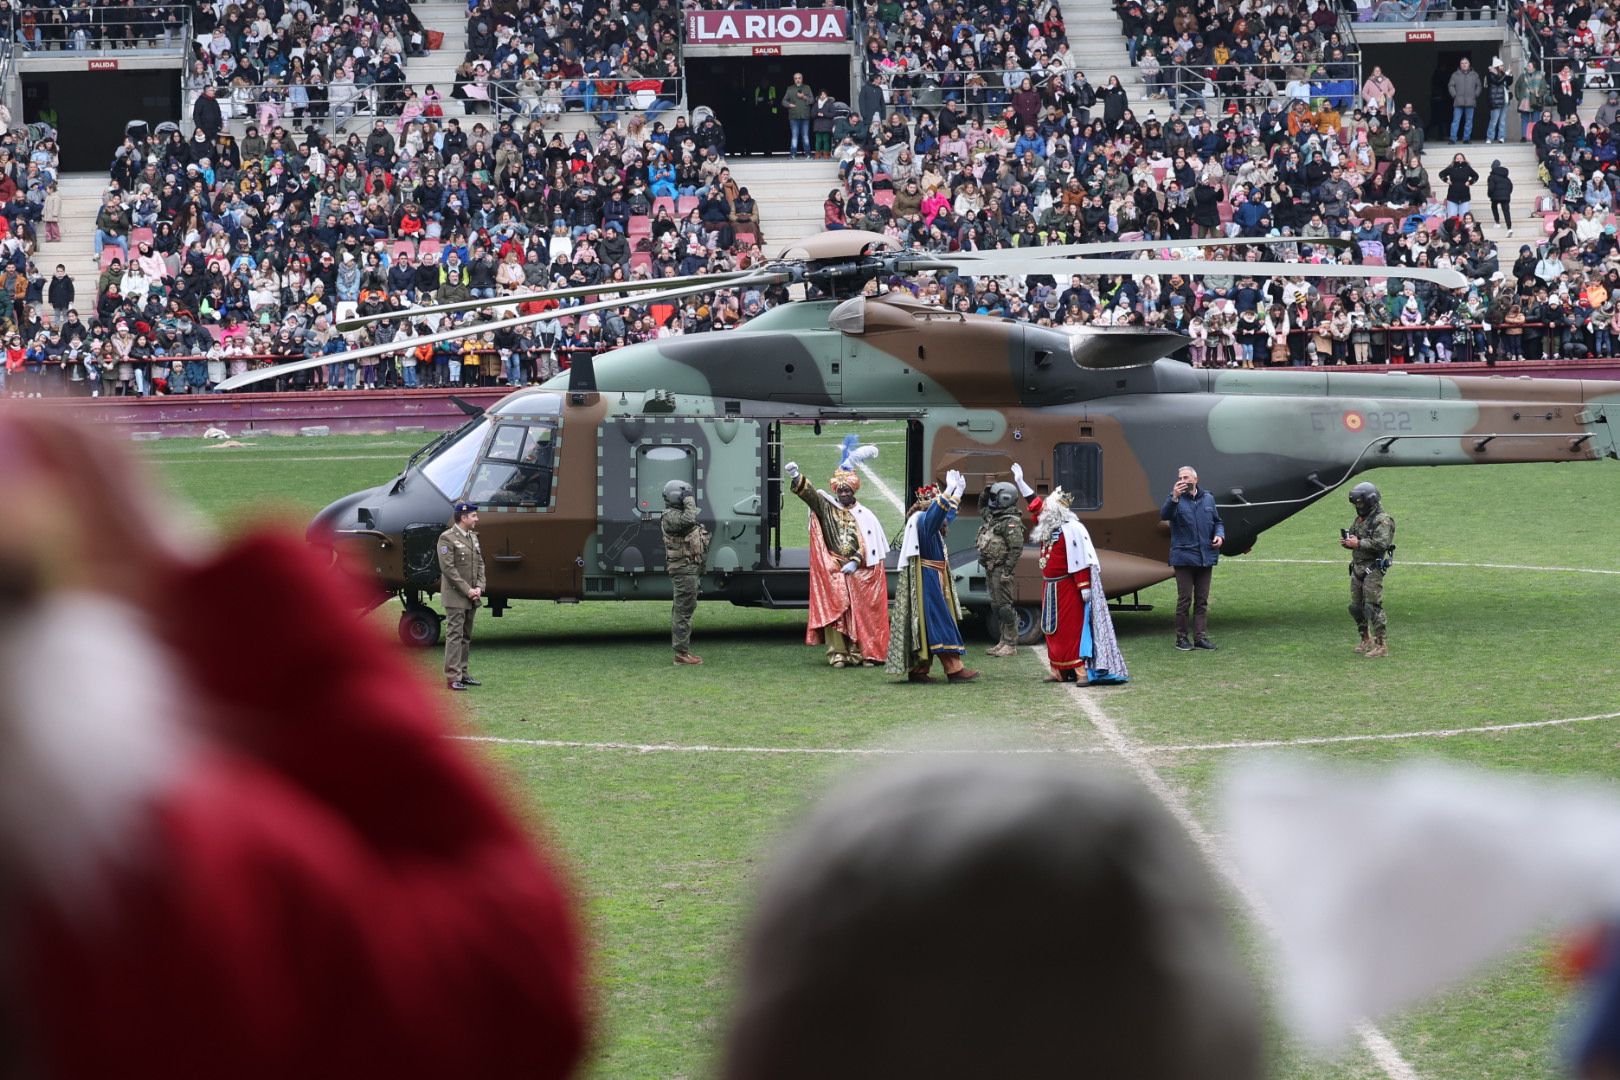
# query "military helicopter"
(570, 474)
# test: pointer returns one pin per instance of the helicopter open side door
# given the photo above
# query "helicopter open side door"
(724, 458)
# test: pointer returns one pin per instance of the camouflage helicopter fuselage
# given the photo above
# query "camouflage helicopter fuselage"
(1096, 412)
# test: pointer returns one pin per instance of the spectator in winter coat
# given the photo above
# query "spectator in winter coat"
(1464, 88)
(1499, 189)
(1460, 178)
(1498, 87)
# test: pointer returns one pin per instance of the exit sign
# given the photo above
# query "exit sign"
(103, 65)
(767, 50)
(1420, 35)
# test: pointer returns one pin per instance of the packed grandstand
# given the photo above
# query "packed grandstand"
(287, 206)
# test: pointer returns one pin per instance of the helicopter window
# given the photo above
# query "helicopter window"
(517, 469)
(1077, 468)
(447, 469)
(657, 466)
(508, 443)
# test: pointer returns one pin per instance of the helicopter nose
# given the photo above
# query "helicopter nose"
(348, 512)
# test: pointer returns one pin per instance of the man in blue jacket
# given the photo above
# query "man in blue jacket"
(1196, 536)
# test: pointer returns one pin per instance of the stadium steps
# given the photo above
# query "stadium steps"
(790, 195)
(81, 200)
(1097, 40)
(439, 66)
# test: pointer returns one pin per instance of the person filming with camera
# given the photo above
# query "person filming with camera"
(1196, 536)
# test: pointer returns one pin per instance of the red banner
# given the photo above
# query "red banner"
(751, 27)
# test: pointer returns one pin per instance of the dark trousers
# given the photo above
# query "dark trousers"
(1501, 210)
(1192, 592)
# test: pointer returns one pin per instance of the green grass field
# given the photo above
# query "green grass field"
(664, 788)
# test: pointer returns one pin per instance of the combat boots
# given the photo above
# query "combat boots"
(1366, 643)
(1378, 647)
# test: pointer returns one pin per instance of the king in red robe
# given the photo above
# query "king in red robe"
(1080, 642)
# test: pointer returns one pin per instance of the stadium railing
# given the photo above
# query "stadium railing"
(100, 30)
(498, 99)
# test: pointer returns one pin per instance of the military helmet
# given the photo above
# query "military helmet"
(676, 492)
(1363, 494)
(1003, 496)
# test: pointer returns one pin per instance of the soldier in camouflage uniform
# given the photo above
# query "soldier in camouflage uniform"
(686, 548)
(1001, 544)
(1371, 540)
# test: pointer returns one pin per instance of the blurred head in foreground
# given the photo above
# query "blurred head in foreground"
(991, 916)
(241, 849)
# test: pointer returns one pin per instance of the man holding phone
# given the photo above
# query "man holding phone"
(1196, 536)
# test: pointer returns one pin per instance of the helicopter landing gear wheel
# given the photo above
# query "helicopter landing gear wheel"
(1029, 626)
(420, 626)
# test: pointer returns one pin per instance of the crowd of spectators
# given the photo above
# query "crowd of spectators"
(30, 211)
(219, 255)
(38, 24)
(1272, 146)
(249, 252)
(298, 62)
(1207, 53)
(531, 59)
(1581, 34)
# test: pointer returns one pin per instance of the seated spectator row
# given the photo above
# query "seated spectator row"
(262, 245)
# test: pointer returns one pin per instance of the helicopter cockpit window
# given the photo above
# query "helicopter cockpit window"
(1077, 468)
(448, 467)
(517, 467)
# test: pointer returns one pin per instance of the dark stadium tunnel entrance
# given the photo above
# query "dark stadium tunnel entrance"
(745, 93)
(79, 103)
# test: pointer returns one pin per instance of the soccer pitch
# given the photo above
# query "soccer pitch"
(663, 788)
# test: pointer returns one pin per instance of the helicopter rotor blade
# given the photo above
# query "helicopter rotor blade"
(604, 289)
(1067, 251)
(365, 352)
(1442, 276)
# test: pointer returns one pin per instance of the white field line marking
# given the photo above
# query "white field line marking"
(675, 748)
(1389, 736)
(1145, 749)
(883, 488)
(1382, 1051)
(1237, 560)
(176, 459)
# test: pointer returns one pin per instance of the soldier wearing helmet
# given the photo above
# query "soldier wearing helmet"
(1371, 541)
(686, 548)
(1001, 544)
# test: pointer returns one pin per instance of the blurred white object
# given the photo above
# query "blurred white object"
(216, 433)
(1384, 886)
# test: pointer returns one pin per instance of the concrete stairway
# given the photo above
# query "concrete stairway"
(790, 196)
(81, 200)
(439, 66)
(1097, 40)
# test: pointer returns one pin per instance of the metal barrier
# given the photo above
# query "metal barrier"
(1481, 13)
(1443, 343)
(984, 99)
(498, 99)
(1186, 87)
(100, 30)
(1590, 67)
